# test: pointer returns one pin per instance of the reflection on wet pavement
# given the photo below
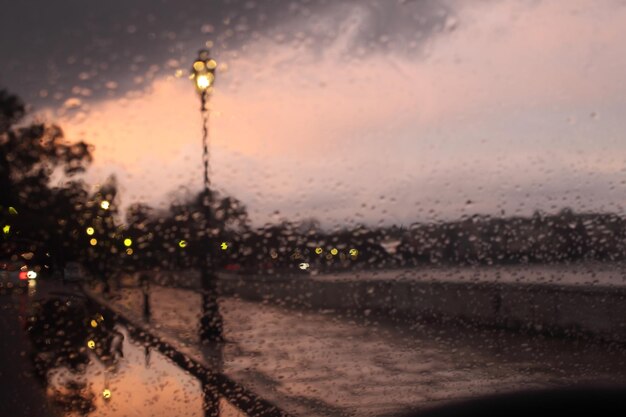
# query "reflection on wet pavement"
(133, 387)
(312, 363)
(89, 364)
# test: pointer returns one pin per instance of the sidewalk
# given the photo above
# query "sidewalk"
(311, 363)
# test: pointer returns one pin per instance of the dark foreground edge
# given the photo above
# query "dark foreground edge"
(573, 401)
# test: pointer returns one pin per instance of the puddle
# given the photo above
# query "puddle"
(90, 365)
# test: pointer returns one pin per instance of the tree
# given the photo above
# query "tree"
(33, 213)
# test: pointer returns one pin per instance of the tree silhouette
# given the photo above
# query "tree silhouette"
(32, 211)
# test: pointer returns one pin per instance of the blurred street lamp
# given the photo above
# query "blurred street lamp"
(203, 77)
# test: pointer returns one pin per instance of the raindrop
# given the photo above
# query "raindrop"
(72, 103)
(451, 24)
(207, 29)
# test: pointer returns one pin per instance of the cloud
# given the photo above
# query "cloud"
(50, 49)
(509, 96)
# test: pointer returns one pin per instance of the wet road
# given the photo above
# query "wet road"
(77, 360)
(316, 363)
(20, 394)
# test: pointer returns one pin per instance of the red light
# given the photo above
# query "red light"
(232, 267)
(23, 275)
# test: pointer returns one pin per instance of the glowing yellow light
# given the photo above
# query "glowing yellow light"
(128, 242)
(182, 243)
(90, 231)
(334, 251)
(304, 266)
(91, 344)
(99, 317)
(31, 275)
(199, 65)
(211, 64)
(106, 393)
(93, 242)
(224, 246)
(354, 252)
(12, 211)
(204, 81)
(6, 229)
(319, 251)
(129, 251)
(105, 205)
(94, 323)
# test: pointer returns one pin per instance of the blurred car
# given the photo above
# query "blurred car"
(15, 274)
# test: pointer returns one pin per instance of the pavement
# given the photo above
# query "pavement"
(323, 363)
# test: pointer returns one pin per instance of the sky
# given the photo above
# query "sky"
(376, 112)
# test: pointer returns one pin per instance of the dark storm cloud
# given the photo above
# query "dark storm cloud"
(104, 46)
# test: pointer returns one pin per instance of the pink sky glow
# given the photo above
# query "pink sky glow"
(514, 107)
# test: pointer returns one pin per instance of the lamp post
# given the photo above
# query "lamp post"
(203, 77)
